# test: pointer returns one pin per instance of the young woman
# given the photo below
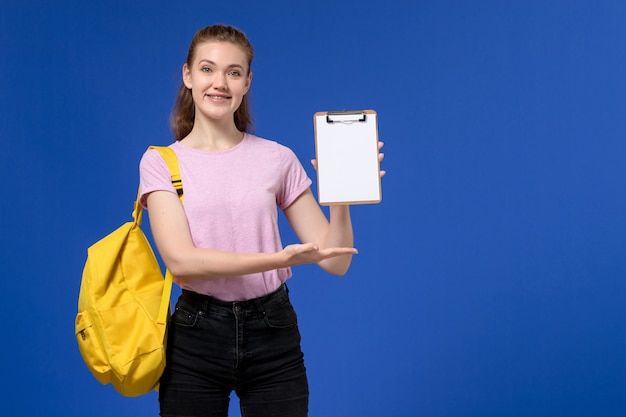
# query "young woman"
(234, 327)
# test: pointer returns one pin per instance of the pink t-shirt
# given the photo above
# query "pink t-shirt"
(231, 199)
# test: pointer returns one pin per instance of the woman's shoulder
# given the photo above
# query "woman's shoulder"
(268, 144)
(152, 159)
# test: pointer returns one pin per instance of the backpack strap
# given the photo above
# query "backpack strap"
(171, 160)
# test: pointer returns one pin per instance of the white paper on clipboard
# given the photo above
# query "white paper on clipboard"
(346, 146)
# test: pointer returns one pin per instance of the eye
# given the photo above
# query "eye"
(235, 73)
(206, 69)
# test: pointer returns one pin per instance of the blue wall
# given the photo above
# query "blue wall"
(490, 280)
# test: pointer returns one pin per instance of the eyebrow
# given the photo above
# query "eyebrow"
(213, 63)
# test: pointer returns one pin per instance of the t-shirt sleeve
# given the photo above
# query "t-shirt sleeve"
(295, 179)
(154, 175)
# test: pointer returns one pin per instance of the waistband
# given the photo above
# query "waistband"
(206, 300)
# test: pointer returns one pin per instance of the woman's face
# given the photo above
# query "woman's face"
(218, 78)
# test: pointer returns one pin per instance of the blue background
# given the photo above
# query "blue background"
(490, 280)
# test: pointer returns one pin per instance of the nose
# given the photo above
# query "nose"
(219, 81)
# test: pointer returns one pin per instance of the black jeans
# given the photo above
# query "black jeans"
(251, 347)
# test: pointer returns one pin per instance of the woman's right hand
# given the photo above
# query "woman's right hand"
(310, 253)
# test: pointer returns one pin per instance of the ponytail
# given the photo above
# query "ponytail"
(183, 114)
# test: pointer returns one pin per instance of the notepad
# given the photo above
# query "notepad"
(346, 145)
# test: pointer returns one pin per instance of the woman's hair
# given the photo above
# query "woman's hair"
(183, 113)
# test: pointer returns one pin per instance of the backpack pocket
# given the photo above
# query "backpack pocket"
(90, 348)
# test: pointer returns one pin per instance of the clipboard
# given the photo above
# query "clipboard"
(346, 147)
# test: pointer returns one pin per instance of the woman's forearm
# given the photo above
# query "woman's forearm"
(195, 263)
(340, 234)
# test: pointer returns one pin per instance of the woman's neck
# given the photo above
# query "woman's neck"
(213, 136)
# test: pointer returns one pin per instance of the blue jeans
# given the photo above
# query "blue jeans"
(251, 347)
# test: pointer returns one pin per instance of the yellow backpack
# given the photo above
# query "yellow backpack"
(124, 304)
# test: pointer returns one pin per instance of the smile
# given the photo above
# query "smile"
(212, 97)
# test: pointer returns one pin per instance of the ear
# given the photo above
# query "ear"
(248, 82)
(186, 76)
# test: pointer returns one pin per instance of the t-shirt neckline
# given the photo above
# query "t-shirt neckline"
(214, 153)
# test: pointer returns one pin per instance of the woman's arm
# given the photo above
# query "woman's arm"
(173, 239)
(310, 225)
